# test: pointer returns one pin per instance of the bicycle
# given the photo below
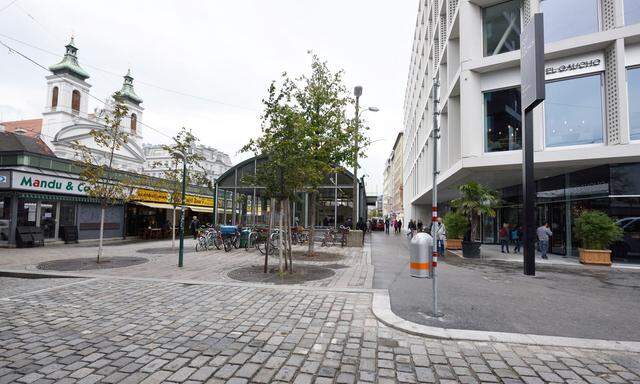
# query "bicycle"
(299, 236)
(329, 238)
(271, 241)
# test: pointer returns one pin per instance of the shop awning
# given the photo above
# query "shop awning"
(201, 209)
(155, 205)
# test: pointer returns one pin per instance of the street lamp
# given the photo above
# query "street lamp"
(184, 191)
(357, 91)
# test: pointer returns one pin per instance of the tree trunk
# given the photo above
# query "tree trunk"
(101, 234)
(280, 238)
(173, 230)
(312, 226)
(267, 244)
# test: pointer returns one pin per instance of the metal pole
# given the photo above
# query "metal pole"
(184, 188)
(435, 132)
(357, 91)
(215, 204)
(529, 196)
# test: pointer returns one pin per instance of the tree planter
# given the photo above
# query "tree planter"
(471, 249)
(595, 256)
(454, 244)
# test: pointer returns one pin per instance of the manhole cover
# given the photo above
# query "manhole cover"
(301, 274)
(89, 263)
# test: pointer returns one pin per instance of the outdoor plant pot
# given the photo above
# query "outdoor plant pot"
(454, 244)
(471, 249)
(595, 256)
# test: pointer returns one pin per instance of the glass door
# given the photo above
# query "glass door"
(557, 224)
(67, 216)
(48, 219)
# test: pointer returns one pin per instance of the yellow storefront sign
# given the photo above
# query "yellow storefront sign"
(155, 196)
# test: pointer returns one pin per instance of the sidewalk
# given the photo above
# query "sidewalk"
(570, 300)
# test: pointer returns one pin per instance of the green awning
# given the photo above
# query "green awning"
(44, 196)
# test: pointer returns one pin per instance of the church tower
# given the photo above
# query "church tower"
(132, 101)
(67, 95)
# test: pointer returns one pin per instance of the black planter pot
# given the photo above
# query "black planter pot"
(471, 249)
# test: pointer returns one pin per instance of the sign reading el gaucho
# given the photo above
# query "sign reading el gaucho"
(573, 66)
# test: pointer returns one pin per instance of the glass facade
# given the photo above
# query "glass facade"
(501, 28)
(503, 119)
(631, 12)
(573, 111)
(5, 219)
(633, 84)
(245, 205)
(569, 18)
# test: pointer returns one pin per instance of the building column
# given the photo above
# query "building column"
(14, 219)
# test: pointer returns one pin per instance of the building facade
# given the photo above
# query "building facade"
(157, 161)
(393, 188)
(586, 133)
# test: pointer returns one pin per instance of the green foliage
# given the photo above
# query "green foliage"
(97, 166)
(183, 143)
(456, 225)
(476, 199)
(596, 230)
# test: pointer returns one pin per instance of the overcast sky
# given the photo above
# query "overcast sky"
(225, 53)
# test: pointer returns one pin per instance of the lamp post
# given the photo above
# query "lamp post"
(184, 191)
(357, 91)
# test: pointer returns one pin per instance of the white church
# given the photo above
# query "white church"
(66, 118)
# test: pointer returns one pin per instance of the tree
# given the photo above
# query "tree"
(183, 143)
(475, 200)
(322, 100)
(97, 165)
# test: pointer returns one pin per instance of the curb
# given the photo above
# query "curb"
(381, 307)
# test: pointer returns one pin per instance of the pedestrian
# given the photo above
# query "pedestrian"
(503, 237)
(412, 228)
(516, 236)
(543, 233)
(441, 236)
(386, 225)
(349, 223)
(363, 227)
(194, 226)
(399, 228)
(420, 225)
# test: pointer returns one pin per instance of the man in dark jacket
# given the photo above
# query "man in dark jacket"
(194, 226)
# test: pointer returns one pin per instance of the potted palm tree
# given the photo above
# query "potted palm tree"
(456, 225)
(475, 200)
(596, 232)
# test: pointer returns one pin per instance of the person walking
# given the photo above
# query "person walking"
(194, 226)
(441, 236)
(420, 225)
(386, 225)
(503, 237)
(516, 236)
(399, 226)
(412, 228)
(543, 233)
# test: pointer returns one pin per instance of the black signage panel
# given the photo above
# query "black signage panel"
(532, 62)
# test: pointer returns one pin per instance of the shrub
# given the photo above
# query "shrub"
(456, 225)
(596, 230)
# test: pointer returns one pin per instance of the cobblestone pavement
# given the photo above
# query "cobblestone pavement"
(126, 331)
(353, 271)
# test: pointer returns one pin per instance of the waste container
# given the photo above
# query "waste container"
(421, 247)
(244, 238)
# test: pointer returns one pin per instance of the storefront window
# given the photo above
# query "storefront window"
(633, 81)
(27, 213)
(568, 18)
(5, 218)
(501, 28)
(573, 111)
(631, 12)
(503, 117)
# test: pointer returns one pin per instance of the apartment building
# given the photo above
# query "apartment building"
(586, 133)
(393, 186)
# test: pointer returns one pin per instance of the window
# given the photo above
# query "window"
(134, 123)
(75, 100)
(573, 111)
(631, 12)
(501, 28)
(503, 117)
(54, 97)
(633, 84)
(568, 18)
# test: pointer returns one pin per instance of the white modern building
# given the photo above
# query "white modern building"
(67, 119)
(586, 133)
(158, 161)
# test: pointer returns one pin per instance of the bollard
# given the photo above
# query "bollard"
(421, 248)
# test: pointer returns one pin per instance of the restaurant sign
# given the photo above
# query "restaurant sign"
(47, 183)
(574, 66)
(154, 196)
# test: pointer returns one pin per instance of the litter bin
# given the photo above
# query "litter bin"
(421, 247)
(244, 238)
